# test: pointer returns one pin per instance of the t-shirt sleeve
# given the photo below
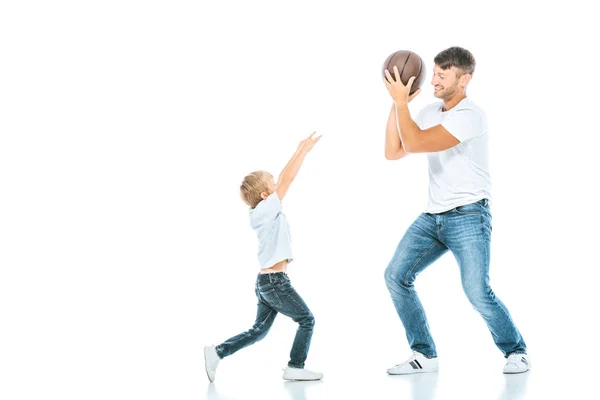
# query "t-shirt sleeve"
(465, 124)
(419, 119)
(266, 210)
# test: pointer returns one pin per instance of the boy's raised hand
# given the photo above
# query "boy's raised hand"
(308, 143)
(291, 169)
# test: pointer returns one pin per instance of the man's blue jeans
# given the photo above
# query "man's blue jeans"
(466, 232)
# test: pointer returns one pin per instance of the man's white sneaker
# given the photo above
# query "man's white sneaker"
(211, 360)
(416, 364)
(301, 374)
(517, 363)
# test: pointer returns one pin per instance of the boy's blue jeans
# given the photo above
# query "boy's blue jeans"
(275, 295)
(466, 232)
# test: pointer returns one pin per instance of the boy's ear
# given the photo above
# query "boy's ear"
(264, 195)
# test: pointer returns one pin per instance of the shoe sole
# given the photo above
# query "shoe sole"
(289, 378)
(516, 372)
(206, 366)
(412, 373)
(300, 379)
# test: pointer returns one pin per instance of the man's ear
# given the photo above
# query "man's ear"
(464, 80)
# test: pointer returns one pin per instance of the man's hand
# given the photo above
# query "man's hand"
(398, 91)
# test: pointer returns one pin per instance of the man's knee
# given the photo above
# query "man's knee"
(391, 275)
(479, 295)
(394, 277)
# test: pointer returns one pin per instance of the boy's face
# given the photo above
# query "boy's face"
(270, 186)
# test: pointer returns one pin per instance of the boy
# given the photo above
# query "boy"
(273, 288)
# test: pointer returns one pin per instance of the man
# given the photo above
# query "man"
(454, 135)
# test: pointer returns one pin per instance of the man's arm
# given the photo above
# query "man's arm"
(291, 169)
(416, 140)
(393, 145)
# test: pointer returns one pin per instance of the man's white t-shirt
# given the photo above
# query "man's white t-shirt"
(459, 175)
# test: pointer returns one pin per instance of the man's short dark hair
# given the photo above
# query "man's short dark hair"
(456, 57)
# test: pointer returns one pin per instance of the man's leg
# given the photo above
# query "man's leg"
(467, 233)
(417, 250)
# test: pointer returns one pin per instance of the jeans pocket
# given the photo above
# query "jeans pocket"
(271, 297)
(468, 209)
(284, 281)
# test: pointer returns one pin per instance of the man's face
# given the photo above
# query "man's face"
(445, 82)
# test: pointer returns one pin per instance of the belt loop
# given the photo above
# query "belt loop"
(270, 281)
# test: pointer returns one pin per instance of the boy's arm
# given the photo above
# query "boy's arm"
(291, 169)
(393, 146)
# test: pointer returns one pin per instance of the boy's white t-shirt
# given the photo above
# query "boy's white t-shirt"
(459, 175)
(273, 232)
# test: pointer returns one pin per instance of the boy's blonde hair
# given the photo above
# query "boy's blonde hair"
(253, 185)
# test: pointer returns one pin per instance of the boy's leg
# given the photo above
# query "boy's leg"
(265, 315)
(295, 308)
(282, 297)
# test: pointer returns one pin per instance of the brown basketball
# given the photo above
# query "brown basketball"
(409, 64)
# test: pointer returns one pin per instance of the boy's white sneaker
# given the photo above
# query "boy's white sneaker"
(517, 363)
(301, 374)
(416, 364)
(211, 360)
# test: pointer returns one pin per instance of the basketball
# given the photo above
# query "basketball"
(409, 64)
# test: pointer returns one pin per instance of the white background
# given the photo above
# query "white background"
(127, 126)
